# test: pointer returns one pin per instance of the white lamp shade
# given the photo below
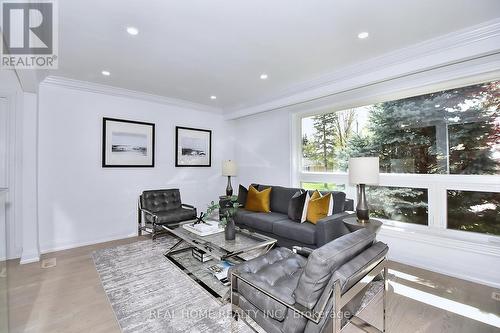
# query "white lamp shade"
(364, 170)
(229, 168)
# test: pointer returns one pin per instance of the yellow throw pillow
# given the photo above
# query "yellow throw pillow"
(319, 207)
(258, 201)
(315, 195)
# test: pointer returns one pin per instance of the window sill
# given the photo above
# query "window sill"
(460, 240)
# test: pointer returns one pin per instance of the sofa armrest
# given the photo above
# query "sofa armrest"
(302, 250)
(193, 208)
(330, 228)
(145, 211)
(355, 269)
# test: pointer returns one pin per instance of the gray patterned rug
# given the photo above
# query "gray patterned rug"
(150, 294)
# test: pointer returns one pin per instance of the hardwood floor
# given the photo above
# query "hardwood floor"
(69, 298)
(65, 298)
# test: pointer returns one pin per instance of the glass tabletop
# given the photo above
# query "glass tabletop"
(246, 245)
(218, 246)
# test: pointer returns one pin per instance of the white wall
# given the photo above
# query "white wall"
(79, 201)
(262, 148)
(4, 141)
(3, 177)
(29, 173)
(11, 91)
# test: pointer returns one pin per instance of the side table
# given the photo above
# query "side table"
(352, 224)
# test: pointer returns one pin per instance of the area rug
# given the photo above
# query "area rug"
(150, 294)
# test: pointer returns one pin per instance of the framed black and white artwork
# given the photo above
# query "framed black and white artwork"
(193, 147)
(127, 143)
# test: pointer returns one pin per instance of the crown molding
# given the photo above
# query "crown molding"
(459, 46)
(121, 92)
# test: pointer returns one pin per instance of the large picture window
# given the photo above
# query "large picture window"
(454, 131)
(438, 135)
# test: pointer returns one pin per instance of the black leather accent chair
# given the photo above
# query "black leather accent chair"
(312, 291)
(162, 207)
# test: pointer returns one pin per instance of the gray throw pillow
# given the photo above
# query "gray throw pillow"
(242, 195)
(296, 206)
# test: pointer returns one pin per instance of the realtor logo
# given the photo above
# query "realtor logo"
(29, 31)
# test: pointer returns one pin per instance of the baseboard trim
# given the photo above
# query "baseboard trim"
(29, 259)
(448, 273)
(427, 245)
(68, 246)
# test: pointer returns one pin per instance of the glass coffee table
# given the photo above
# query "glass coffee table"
(245, 246)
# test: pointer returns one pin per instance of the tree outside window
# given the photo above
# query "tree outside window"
(455, 131)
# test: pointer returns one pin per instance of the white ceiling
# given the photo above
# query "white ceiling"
(192, 49)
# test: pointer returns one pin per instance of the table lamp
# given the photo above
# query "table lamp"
(229, 169)
(363, 171)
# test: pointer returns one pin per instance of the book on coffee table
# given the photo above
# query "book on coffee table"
(220, 271)
(204, 229)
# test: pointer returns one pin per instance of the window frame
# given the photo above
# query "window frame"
(436, 184)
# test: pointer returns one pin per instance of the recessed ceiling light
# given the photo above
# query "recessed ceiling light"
(263, 76)
(363, 35)
(106, 73)
(213, 97)
(133, 31)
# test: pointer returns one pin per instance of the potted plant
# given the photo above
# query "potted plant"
(227, 219)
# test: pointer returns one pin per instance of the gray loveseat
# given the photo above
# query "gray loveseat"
(288, 233)
(285, 292)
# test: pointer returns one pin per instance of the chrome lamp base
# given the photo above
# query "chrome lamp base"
(362, 210)
(229, 188)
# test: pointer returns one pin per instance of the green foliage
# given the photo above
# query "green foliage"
(480, 213)
(211, 209)
(454, 131)
(322, 146)
(399, 204)
(331, 135)
(322, 186)
(230, 212)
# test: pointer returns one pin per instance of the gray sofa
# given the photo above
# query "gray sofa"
(288, 233)
(285, 292)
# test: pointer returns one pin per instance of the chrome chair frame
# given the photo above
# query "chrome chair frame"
(142, 224)
(335, 295)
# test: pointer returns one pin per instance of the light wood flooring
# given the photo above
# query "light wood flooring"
(69, 298)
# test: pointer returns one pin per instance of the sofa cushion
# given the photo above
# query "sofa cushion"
(319, 207)
(297, 206)
(277, 272)
(280, 197)
(258, 201)
(172, 216)
(258, 221)
(338, 200)
(324, 261)
(242, 195)
(240, 217)
(300, 232)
